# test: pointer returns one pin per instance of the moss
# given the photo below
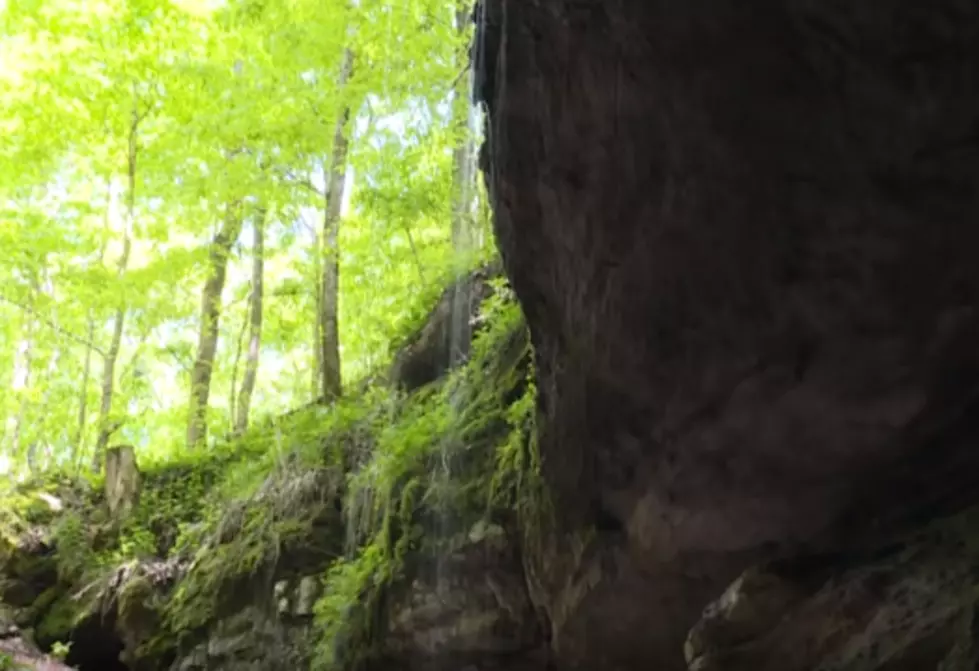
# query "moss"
(61, 618)
(213, 531)
(136, 600)
(444, 458)
(42, 604)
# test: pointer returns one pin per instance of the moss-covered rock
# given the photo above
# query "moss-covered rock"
(18, 651)
(385, 525)
(908, 606)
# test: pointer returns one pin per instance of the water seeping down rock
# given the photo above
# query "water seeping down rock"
(744, 236)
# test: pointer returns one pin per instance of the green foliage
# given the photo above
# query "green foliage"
(62, 616)
(217, 527)
(8, 663)
(75, 554)
(131, 128)
(235, 102)
(60, 650)
(470, 425)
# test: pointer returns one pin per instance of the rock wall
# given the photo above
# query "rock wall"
(744, 238)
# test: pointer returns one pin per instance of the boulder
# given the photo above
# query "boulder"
(18, 651)
(909, 606)
(743, 235)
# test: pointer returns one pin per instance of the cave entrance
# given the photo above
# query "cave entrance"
(95, 647)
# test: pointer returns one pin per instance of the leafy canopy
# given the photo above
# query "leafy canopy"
(179, 108)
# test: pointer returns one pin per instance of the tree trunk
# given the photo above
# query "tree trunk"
(239, 347)
(330, 382)
(122, 481)
(460, 332)
(317, 342)
(200, 379)
(254, 325)
(79, 440)
(22, 378)
(462, 155)
(50, 371)
(106, 426)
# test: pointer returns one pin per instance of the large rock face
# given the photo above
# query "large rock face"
(744, 235)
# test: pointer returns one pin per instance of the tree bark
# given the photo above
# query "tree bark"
(122, 481)
(316, 385)
(78, 442)
(462, 155)
(330, 382)
(50, 371)
(106, 426)
(254, 325)
(22, 377)
(200, 379)
(239, 347)
(79, 439)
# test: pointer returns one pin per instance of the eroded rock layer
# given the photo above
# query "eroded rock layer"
(744, 236)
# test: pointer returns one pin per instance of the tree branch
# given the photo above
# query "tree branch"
(304, 182)
(57, 329)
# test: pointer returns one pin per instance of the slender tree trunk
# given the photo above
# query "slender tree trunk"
(78, 442)
(50, 371)
(44, 439)
(22, 377)
(330, 382)
(200, 377)
(106, 426)
(254, 325)
(462, 155)
(317, 321)
(239, 347)
(460, 334)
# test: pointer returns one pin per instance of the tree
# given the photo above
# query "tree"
(151, 98)
(329, 331)
(207, 344)
(254, 323)
(78, 441)
(463, 154)
(106, 424)
(22, 373)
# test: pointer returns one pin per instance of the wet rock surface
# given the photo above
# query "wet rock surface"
(18, 648)
(744, 239)
(445, 337)
(471, 607)
(909, 606)
(254, 639)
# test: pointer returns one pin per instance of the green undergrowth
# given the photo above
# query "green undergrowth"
(360, 492)
(448, 457)
(206, 527)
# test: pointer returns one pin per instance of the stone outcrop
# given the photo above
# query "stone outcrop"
(232, 586)
(744, 237)
(445, 337)
(910, 606)
(469, 609)
(18, 651)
